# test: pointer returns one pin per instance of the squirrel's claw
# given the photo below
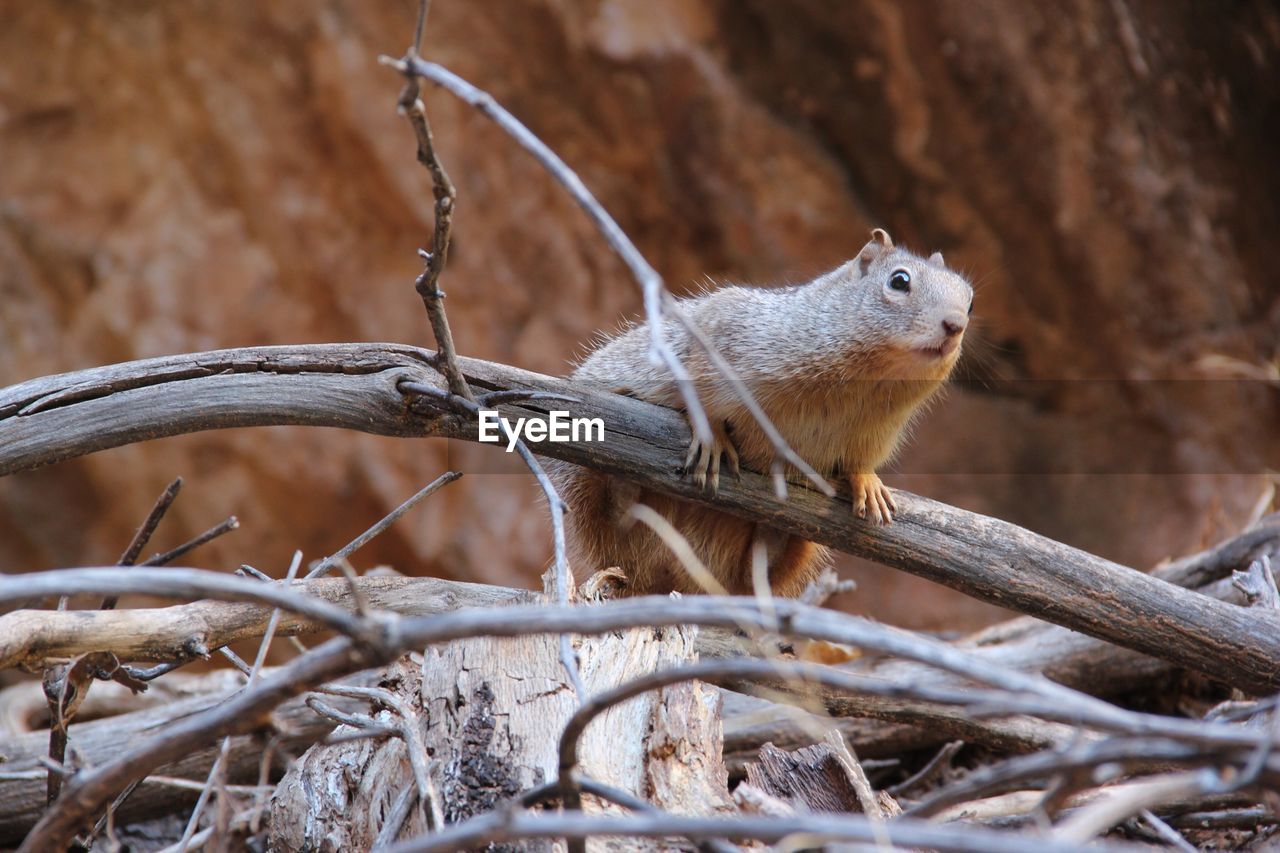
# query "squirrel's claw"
(703, 460)
(872, 499)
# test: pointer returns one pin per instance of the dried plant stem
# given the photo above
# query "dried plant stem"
(322, 568)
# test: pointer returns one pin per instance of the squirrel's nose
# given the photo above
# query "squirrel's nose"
(954, 325)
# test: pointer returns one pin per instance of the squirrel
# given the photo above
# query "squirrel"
(840, 364)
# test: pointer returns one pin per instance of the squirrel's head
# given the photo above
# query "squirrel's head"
(915, 308)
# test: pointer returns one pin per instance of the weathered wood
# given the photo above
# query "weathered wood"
(809, 779)
(356, 386)
(29, 637)
(22, 787)
(489, 712)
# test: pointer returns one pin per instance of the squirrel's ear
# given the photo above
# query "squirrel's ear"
(880, 243)
(936, 258)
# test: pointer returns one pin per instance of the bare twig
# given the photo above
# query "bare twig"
(409, 730)
(364, 723)
(1132, 753)
(56, 677)
(427, 286)
(658, 303)
(143, 536)
(936, 766)
(555, 505)
(1170, 835)
(216, 773)
(650, 282)
(323, 567)
(678, 546)
(91, 788)
(1110, 810)
(809, 830)
(212, 533)
(428, 283)
(396, 816)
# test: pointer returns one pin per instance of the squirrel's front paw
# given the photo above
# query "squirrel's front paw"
(703, 460)
(872, 499)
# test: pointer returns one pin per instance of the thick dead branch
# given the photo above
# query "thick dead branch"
(28, 637)
(357, 386)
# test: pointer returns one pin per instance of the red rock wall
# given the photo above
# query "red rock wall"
(189, 176)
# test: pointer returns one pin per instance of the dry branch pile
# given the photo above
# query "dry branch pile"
(439, 716)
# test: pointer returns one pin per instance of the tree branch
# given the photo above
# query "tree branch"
(356, 386)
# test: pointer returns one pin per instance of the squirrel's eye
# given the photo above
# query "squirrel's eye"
(900, 280)
(970, 307)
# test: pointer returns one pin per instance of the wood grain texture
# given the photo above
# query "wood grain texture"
(486, 706)
(22, 800)
(355, 386)
(29, 637)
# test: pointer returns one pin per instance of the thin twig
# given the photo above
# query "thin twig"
(212, 533)
(149, 525)
(410, 105)
(1131, 753)
(322, 568)
(250, 571)
(658, 303)
(358, 599)
(809, 830)
(90, 789)
(145, 532)
(650, 282)
(424, 7)
(936, 767)
(1170, 835)
(409, 729)
(56, 676)
(362, 722)
(555, 505)
(1098, 817)
(396, 816)
(215, 777)
(427, 285)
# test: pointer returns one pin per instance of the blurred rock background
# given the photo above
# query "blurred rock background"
(189, 176)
